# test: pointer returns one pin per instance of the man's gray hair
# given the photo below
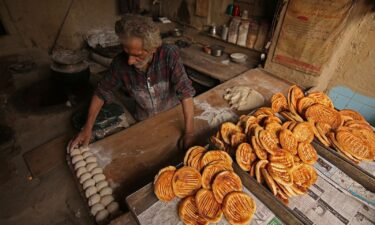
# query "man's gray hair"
(141, 27)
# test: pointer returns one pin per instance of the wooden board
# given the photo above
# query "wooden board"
(131, 157)
(363, 177)
(124, 219)
(47, 156)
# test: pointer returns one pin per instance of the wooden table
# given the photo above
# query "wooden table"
(220, 68)
(131, 157)
(212, 66)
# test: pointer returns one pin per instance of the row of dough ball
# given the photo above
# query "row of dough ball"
(93, 181)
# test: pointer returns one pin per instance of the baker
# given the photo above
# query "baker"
(152, 73)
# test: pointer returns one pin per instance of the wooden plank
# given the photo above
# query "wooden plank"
(141, 200)
(275, 205)
(131, 157)
(124, 219)
(363, 177)
(47, 156)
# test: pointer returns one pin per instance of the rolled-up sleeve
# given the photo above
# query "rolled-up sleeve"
(179, 78)
(109, 83)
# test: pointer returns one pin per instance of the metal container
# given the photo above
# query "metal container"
(217, 50)
(213, 30)
(224, 32)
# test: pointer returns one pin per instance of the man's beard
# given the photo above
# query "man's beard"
(143, 65)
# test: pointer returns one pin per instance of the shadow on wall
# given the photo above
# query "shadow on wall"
(345, 98)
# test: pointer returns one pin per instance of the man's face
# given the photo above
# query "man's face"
(137, 55)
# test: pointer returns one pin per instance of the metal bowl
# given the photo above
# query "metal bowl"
(217, 50)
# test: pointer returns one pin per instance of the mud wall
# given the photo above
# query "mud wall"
(35, 23)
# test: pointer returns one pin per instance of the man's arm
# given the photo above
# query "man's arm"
(188, 109)
(83, 137)
(103, 93)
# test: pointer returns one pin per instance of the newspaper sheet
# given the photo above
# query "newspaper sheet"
(338, 178)
(166, 213)
(334, 199)
(368, 166)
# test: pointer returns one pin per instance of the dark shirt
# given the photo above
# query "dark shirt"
(162, 87)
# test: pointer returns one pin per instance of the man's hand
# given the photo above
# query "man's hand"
(187, 140)
(82, 139)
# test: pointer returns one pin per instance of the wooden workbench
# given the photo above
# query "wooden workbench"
(131, 157)
(220, 68)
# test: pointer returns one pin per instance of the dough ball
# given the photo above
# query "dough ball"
(91, 166)
(86, 154)
(88, 183)
(90, 191)
(96, 208)
(102, 184)
(105, 191)
(243, 98)
(81, 171)
(90, 159)
(106, 200)
(94, 199)
(84, 149)
(96, 170)
(75, 152)
(76, 159)
(101, 215)
(99, 177)
(112, 207)
(84, 177)
(79, 164)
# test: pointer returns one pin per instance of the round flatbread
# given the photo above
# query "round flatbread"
(211, 170)
(288, 141)
(324, 114)
(304, 175)
(268, 141)
(189, 213)
(282, 159)
(279, 102)
(207, 206)
(227, 129)
(303, 132)
(307, 153)
(215, 155)
(238, 208)
(224, 183)
(245, 156)
(163, 184)
(281, 176)
(186, 181)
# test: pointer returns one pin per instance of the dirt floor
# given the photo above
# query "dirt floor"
(52, 197)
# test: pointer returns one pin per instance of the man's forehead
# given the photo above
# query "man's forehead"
(132, 42)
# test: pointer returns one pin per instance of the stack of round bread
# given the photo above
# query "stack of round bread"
(208, 188)
(279, 155)
(345, 130)
(93, 181)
